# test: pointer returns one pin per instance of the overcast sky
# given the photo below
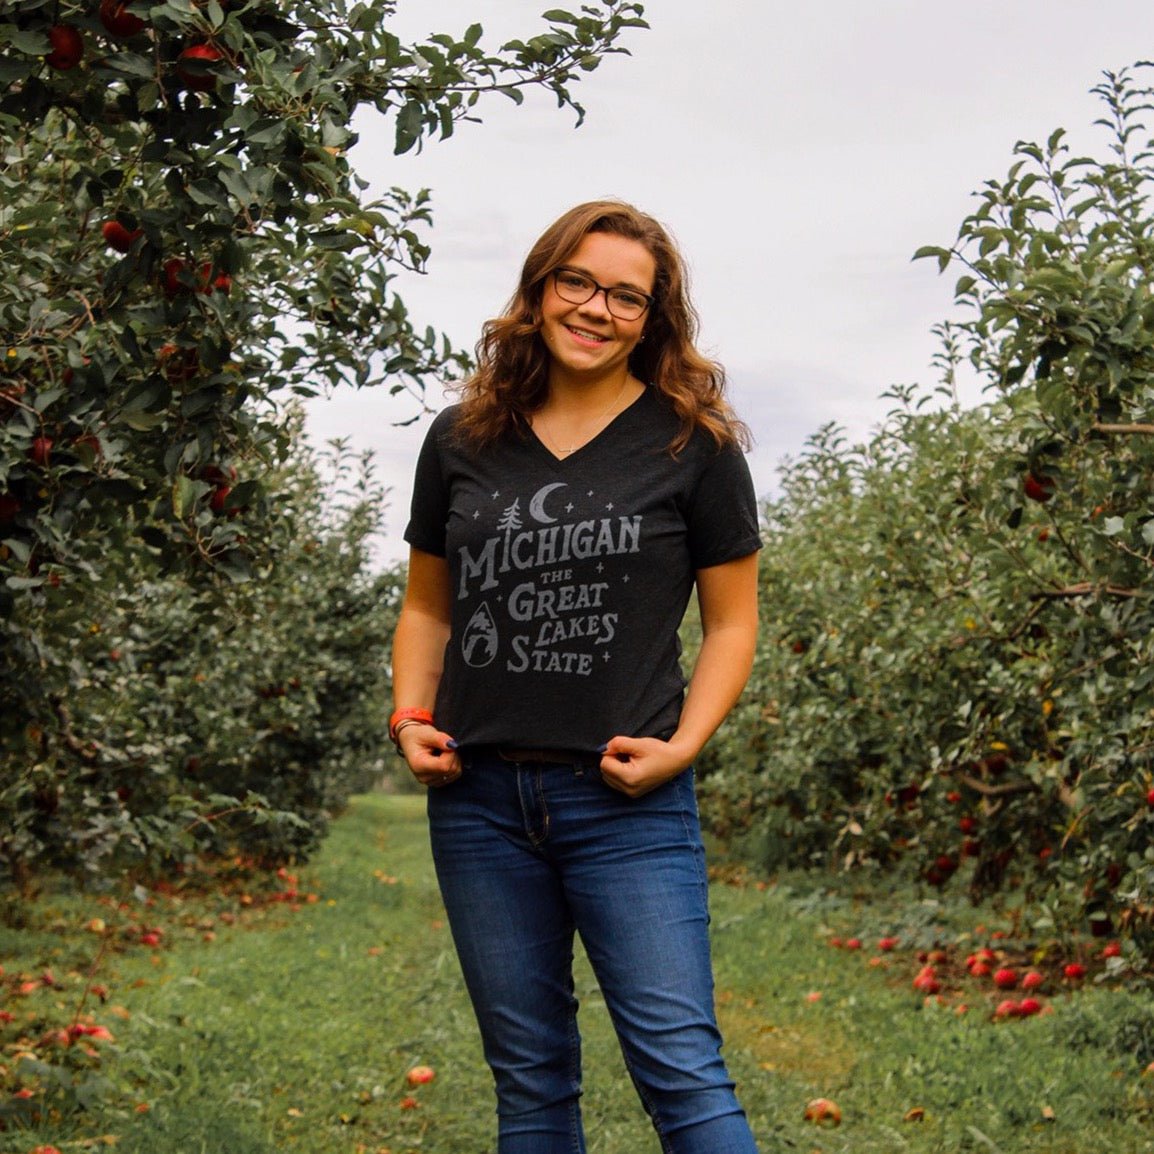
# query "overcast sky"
(800, 153)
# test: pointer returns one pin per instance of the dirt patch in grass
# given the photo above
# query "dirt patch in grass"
(820, 1055)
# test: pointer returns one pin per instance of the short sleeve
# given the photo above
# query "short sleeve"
(429, 509)
(723, 520)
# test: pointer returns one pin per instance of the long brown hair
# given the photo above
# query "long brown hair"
(512, 377)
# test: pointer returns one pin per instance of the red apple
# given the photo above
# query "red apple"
(967, 824)
(41, 451)
(419, 1075)
(853, 943)
(1008, 1009)
(927, 981)
(887, 944)
(1032, 980)
(67, 47)
(1005, 978)
(1028, 1007)
(117, 236)
(822, 1112)
(1074, 971)
(1038, 487)
(118, 20)
(196, 78)
(1150, 798)
(1112, 950)
(219, 498)
(171, 273)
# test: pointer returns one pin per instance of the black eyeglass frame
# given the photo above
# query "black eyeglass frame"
(600, 288)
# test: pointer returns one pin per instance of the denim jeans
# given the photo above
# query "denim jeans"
(527, 853)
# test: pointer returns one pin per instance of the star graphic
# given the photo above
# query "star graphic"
(496, 493)
(609, 507)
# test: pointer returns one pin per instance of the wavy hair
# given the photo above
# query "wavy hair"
(511, 381)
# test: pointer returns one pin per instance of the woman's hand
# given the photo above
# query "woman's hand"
(636, 765)
(430, 753)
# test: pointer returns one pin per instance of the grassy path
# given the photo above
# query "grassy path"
(296, 1034)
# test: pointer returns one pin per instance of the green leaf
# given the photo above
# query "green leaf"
(185, 494)
(31, 43)
(942, 255)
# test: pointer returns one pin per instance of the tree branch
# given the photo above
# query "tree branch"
(1147, 430)
(979, 786)
(1086, 589)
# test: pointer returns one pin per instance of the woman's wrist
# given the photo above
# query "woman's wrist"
(408, 713)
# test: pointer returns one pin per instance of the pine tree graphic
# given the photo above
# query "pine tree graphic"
(510, 522)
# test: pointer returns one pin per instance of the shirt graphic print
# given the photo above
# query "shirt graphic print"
(561, 616)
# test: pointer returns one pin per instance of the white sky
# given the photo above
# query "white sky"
(799, 152)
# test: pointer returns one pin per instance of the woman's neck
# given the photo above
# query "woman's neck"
(577, 397)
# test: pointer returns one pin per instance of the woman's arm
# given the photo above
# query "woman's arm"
(418, 657)
(727, 596)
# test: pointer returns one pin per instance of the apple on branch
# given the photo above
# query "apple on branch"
(67, 47)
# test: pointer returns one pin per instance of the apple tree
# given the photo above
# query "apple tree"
(188, 248)
(957, 668)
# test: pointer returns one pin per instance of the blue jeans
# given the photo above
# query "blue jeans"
(527, 853)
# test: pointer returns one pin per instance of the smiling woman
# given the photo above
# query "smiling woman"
(562, 791)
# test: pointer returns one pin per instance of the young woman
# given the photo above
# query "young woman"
(563, 512)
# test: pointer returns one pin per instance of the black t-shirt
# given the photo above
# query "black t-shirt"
(570, 577)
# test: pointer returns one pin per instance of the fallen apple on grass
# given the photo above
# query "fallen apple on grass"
(822, 1112)
(420, 1075)
(1005, 978)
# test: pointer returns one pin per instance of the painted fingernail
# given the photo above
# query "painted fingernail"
(603, 748)
(451, 744)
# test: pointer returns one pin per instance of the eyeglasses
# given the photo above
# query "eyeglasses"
(625, 304)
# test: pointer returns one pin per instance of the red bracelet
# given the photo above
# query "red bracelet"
(413, 712)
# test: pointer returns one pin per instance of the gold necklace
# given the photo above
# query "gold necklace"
(599, 425)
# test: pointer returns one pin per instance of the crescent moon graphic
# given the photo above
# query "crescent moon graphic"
(537, 505)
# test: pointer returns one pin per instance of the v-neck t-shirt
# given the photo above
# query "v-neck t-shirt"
(570, 576)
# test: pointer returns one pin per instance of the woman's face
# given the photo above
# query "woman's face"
(586, 341)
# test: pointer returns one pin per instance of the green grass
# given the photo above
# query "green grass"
(293, 1030)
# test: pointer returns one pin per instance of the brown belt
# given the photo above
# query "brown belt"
(550, 756)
